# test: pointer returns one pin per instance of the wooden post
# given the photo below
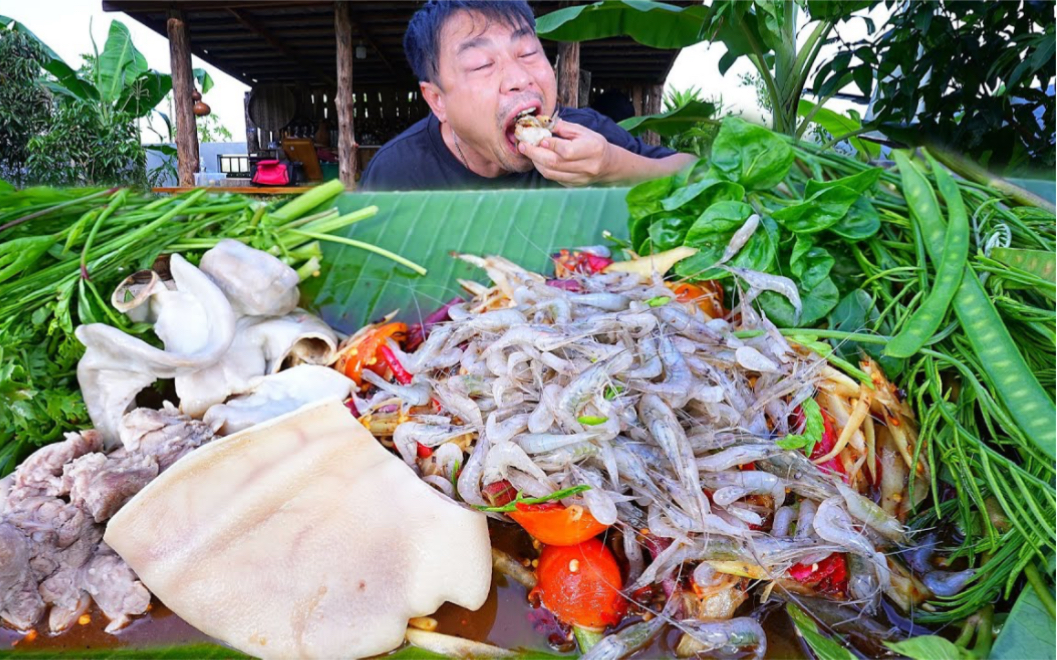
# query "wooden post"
(343, 99)
(569, 74)
(183, 85)
(253, 144)
(653, 107)
(636, 99)
(584, 96)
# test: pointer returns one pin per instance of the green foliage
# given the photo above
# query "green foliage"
(763, 31)
(24, 104)
(971, 69)
(824, 647)
(87, 134)
(687, 124)
(211, 130)
(751, 155)
(814, 426)
(83, 147)
(930, 647)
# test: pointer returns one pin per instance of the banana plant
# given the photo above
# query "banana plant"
(764, 31)
(120, 82)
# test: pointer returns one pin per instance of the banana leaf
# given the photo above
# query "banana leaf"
(655, 24)
(525, 226)
(673, 122)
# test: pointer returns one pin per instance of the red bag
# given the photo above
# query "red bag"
(271, 173)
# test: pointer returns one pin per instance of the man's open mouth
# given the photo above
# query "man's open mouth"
(530, 108)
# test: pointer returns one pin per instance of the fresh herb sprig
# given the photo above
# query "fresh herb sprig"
(520, 499)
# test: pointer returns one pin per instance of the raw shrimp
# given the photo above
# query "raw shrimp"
(669, 434)
(722, 638)
(625, 642)
(737, 455)
(411, 434)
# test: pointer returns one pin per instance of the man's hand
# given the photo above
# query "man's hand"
(575, 156)
(578, 156)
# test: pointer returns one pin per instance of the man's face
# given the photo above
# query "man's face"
(488, 72)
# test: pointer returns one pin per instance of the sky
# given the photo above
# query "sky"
(64, 25)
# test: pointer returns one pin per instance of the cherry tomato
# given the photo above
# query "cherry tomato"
(707, 295)
(581, 584)
(552, 523)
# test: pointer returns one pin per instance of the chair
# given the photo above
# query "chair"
(303, 151)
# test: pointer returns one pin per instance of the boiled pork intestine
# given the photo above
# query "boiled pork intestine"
(224, 328)
(52, 514)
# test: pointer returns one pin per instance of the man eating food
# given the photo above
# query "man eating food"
(487, 81)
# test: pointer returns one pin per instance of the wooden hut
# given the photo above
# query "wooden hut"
(340, 66)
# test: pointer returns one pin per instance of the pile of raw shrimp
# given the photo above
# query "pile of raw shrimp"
(671, 412)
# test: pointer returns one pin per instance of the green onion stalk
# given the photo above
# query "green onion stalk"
(62, 252)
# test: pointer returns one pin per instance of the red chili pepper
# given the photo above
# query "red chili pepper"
(829, 576)
(399, 372)
(499, 493)
(423, 451)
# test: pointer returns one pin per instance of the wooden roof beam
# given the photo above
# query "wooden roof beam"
(253, 26)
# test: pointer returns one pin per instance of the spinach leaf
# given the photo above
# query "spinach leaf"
(639, 231)
(860, 182)
(861, 222)
(645, 198)
(751, 155)
(703, 194)
(817, 301)
(810, 263)
(820, 211)
(711, 234)
(667, 232)
(719, 218)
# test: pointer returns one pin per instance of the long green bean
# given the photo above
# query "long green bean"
(924, 322)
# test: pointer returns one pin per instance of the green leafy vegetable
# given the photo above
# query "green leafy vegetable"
(821, 211)
(930, 647)
(824, 647)
(751, 155)
(814, 426)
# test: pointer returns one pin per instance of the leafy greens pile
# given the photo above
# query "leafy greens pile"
(956, 301)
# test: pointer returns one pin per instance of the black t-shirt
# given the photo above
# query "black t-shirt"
(418, 159)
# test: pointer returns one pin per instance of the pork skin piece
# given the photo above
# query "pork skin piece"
(302, 537)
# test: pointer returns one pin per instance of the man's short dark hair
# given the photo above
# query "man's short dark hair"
(422, 39)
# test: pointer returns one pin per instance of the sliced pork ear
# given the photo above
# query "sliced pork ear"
(196, 325)
(257, 283)
(302, 537)
(278, 394)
